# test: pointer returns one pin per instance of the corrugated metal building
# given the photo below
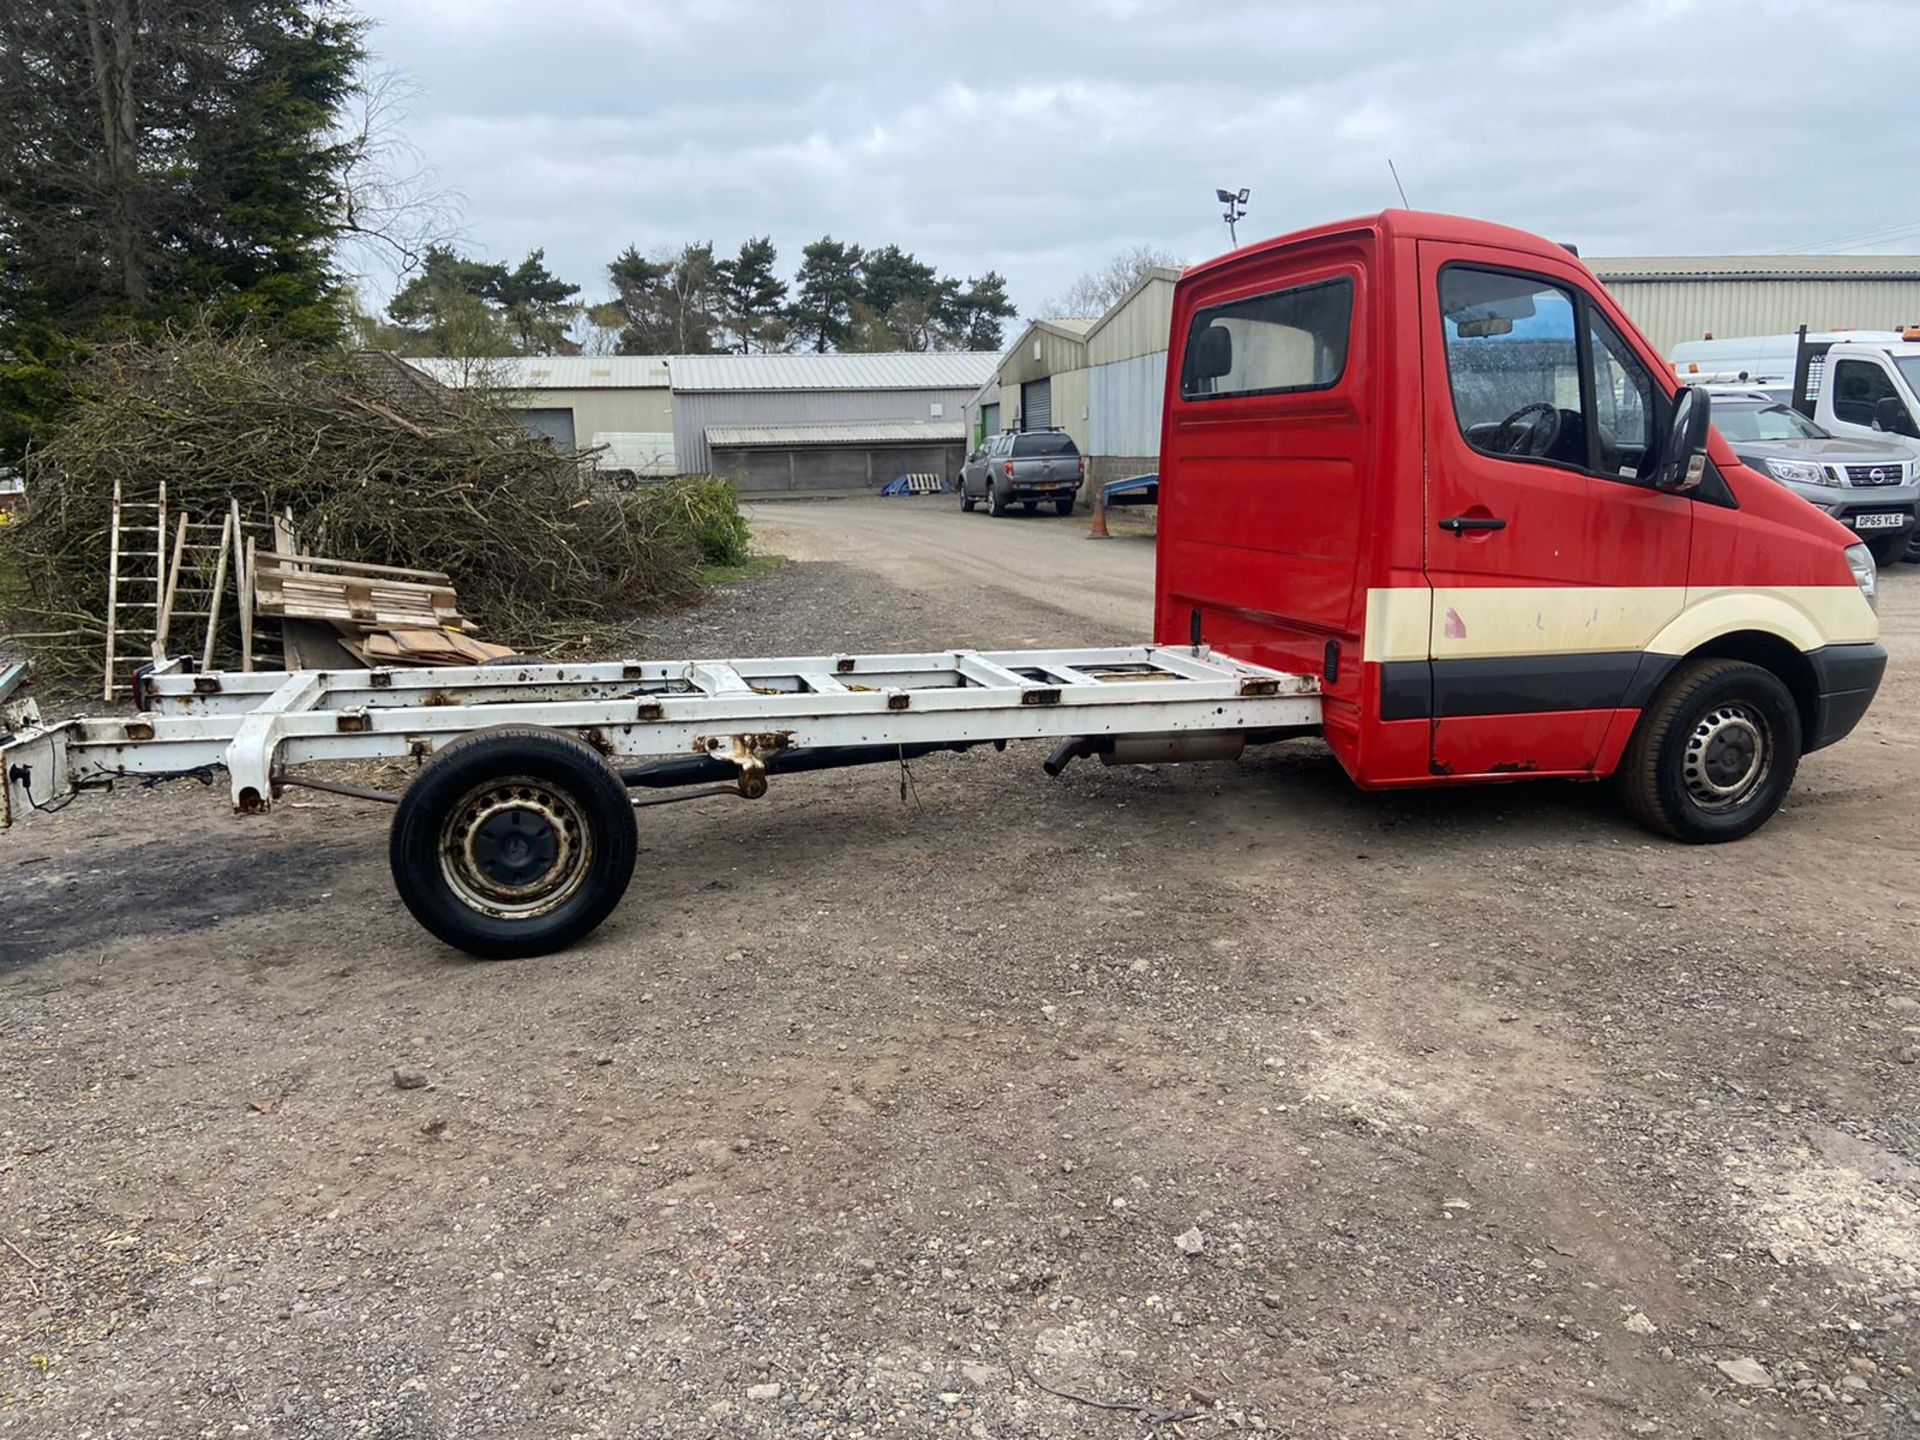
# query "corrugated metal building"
(1098, 379)
(1688, 297)
(739, 394)
(1041, 381)
(572, 398)
(1127, 377)
(863, 419)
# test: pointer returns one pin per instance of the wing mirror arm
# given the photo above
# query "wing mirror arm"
(1683, 458)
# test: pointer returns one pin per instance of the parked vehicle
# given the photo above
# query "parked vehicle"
(1867, 485)
(1023, 467)
(1851, 382)
(1428, 494)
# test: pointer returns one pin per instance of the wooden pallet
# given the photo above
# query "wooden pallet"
(353, 596)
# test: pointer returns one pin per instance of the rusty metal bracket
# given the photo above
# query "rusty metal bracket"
(749, 753)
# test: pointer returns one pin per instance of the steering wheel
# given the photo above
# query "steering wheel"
(1530, 430)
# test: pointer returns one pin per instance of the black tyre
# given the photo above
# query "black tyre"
(1029, 506)
(966, 500)
(1888, 549)
(513, 842)
(996, 502)
(1714, 754)
(1063, 507)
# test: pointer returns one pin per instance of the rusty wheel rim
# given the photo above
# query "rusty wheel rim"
(516, 848)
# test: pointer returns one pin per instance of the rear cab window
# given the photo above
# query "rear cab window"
(1282, 343)
(1038, 444)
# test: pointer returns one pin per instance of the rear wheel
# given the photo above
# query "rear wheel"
(996, 502)
(513, 842)
(1063, 507)
(1714, 754)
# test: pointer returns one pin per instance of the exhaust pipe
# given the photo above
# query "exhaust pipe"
(1169, 749)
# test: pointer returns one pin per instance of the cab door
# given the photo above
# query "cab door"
(1553, 562)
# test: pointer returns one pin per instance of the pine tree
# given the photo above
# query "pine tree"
(754, 297)
(829, 285)
(157, 160)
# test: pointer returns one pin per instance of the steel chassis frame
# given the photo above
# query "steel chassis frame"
(741, 712)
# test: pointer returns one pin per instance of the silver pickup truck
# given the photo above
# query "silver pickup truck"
(1026, 466)
(1867, 485)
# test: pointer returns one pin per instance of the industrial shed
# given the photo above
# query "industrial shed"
(1689, 297)
(753, 400)
(1040, 382)
(1127, 379)
(577, 401)
(1099, 379)
(834, 455)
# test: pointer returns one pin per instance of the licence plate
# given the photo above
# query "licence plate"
(1878, 522)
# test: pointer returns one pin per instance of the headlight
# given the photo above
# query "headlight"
(1860, 561)
(1799, 472)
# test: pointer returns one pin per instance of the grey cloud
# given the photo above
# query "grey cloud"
(1038, 138)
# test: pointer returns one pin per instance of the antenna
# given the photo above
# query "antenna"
(1397, 185)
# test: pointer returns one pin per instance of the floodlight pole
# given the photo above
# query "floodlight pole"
(1236, 203)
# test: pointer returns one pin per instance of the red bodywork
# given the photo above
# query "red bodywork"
(1282, 513)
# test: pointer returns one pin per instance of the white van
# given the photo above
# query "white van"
(1862, 383)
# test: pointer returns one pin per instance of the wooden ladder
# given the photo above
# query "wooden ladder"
(196, 584)
(136, 586)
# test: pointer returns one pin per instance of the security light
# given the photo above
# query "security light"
(1236, 203)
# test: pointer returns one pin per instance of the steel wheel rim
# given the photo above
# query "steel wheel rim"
(1729, 755)
(515, 848)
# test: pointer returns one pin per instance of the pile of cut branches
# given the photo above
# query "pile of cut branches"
(546, 558)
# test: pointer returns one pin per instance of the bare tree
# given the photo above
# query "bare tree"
(1099, 290)
(391, 206)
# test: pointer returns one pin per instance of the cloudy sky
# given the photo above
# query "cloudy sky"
(1038, 138)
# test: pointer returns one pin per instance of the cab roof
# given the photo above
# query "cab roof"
(1388, 225)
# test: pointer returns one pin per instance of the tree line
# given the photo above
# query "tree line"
(694, 301)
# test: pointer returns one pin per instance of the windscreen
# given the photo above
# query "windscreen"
(1763, 422)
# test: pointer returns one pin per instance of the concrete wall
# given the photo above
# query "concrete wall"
(1669, 311)
(695, 410)
(595, 410)
(830, 469)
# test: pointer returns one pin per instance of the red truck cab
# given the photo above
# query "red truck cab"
(1431, 461)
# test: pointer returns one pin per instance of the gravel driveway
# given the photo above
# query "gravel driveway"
(953, 1103)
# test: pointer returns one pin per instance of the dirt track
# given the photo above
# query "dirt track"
(1492, 1115)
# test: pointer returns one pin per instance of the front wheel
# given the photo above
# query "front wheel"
(1886, 549)
(514, 841)
(966, 500)
(1714, 754)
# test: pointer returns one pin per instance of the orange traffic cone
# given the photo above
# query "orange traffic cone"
(1099, 530)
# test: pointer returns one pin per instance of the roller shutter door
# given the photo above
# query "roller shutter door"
(1036, 404)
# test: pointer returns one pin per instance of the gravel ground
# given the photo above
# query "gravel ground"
(1223, 1093)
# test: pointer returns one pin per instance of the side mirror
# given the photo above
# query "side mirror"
(1891, 416)
(1683, 459)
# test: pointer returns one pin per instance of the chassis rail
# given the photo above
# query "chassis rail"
(740, 713)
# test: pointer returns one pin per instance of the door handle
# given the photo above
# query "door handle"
(1460, 524)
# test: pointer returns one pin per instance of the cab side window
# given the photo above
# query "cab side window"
(1859, 386)
(1624, 407)
(1513, 365)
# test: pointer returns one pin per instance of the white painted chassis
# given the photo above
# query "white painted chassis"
(255, 724)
